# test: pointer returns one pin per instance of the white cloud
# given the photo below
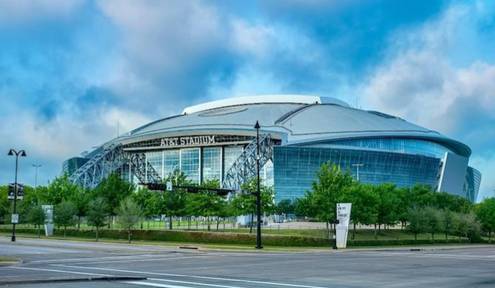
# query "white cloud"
(425, 82)
(251, 39)
(14, 11)
(165, 36)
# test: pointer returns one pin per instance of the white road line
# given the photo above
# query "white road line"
(155, 284)
(193, 283)
(54, 270)
(192, 276)
(91, 258)
(136, 260)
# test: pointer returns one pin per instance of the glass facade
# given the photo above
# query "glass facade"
(171, 162)
(155, 159)
(196, 163)
(231, 153)
(212, 163)
(472, 183)
(190, 163)
(401, 145)
(71, 165)
(296, 167)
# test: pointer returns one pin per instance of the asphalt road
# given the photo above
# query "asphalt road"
(158, 266)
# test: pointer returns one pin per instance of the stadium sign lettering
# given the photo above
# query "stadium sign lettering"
(187, 141)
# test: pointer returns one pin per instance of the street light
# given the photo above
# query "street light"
(21, 153)
(36, 166)
(357, 169)
(258, 191)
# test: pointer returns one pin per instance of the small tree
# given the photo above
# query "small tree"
(417, 221)
(129, 214)
(36, 216)
(468, 227)
(485, 212)
(433, 221)
(64, 215)
(97, 214)
(173, 203)
(80, 198)
(285, 207)
(112, 190)
(449, 222)
(365, 201)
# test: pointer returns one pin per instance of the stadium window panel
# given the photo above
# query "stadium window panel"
(212, 163)
(171, 162)
(154, 159)
(231, 153)
(189, 163)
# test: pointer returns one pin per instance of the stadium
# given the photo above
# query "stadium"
(217, 140)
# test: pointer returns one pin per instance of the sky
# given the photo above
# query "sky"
(76, 73)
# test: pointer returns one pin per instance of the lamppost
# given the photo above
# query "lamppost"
(357, 169)
(258, 191)
(21, 153)
(36, 167)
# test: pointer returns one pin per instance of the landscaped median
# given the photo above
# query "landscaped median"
(6, 261)
(233, 238)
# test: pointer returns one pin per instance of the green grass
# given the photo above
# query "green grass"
(360, 235)
(5, 260)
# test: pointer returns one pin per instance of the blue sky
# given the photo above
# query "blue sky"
(73, 71)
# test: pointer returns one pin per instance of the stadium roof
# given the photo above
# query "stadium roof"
(298, 119)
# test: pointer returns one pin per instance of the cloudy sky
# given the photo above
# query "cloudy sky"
(75, 72)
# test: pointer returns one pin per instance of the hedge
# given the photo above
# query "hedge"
(231, 238)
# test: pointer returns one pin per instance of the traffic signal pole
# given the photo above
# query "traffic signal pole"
(15, 196)
(258, 190)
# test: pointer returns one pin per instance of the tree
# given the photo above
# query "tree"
(148, 202)
(365, 201)
(173, 203)
(485, 212)
(4, 204)
(417, 221)
(129, 213)
(302, 206)
(97, 214)
(468, 227)
(454, 203)
(36, 216)
(64, 215)
(388, 213)
(329, 189)
(449, 222)
(112, 190)
(245, 201)
(285, 207)
(80, 199)
(60, 189)
(433, 221)
(207, 203)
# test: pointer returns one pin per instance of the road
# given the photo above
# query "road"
(169, 267)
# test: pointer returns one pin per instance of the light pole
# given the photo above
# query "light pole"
(357, 165)
(258, 191)
(21, 153)
(36, 167)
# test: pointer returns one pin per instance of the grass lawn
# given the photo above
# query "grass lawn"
(4, 260)
(360, 235)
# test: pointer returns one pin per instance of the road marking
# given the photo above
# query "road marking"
(155, 284)
(194, 283)
(54, 270)
(88, 259)
(137, 260)
(192, 276)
